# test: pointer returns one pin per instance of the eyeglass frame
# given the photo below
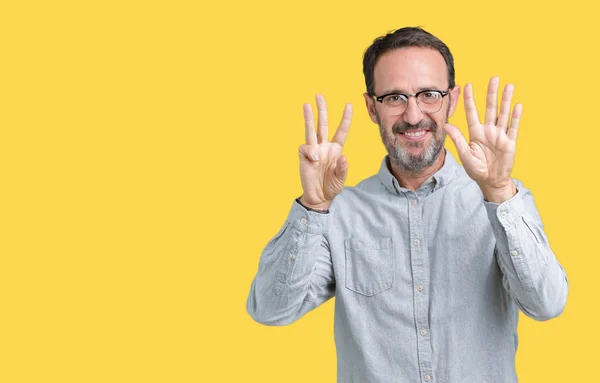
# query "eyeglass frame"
(444, 93)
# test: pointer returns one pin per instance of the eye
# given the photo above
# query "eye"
(395, 99)
(430, 95)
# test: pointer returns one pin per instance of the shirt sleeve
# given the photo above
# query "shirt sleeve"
(295, 271)
(531, 273)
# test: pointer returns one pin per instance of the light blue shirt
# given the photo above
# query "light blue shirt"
(428, 283)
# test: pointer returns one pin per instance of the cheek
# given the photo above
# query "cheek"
(387, 128)
(389, 122)
(440, 120)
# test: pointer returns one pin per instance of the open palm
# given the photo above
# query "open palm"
(489, 156)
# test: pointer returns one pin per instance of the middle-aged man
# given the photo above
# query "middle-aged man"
(430, 261)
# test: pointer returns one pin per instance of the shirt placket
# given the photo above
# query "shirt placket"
(420, 276)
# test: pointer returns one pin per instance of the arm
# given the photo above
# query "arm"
(531, 273)
(295, 272)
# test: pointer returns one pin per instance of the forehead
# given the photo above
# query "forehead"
(410, 70)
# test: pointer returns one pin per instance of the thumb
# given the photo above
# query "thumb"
(341, 168)
(457, 137)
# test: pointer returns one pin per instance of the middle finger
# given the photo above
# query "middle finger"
(322, 126)
(492, 101)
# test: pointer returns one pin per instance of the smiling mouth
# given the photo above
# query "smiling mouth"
(415, 133)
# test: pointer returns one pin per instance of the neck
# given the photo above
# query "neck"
(414, 180)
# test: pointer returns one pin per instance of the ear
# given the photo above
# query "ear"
(371, 107)
(454, 95)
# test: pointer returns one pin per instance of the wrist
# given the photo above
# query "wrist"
(320, 208)
(499, 194)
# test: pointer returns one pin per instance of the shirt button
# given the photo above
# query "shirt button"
(514, 252)
(293, 257)
(503, 214)
(416, 242)
(427, 378)
(423, 332)
(303, 220)
(420, 287)
(414, 202)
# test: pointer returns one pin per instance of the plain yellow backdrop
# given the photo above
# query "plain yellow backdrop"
(148, 152)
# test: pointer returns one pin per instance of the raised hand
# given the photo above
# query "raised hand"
(490, 155)
(323, 169)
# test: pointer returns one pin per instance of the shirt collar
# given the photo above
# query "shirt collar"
(441, 178)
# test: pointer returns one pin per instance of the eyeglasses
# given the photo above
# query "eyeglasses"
(428, 101)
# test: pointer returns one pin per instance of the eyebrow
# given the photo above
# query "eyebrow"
(420, 89)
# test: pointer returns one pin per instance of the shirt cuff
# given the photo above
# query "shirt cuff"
(508, 213)
(306, 220)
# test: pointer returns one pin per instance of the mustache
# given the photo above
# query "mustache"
(402, 127)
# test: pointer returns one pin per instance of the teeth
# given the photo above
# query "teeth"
(415, 134)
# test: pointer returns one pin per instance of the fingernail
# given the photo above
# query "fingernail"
(314, 157)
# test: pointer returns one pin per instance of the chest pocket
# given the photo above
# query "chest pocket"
(369, 265)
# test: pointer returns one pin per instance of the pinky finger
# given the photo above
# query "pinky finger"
(513, 130)
(309, 151)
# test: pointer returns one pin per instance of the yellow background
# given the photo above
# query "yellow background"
(148, 153)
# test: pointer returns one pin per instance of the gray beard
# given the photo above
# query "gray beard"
(402, 158)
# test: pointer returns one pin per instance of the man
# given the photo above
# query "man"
(429, 261)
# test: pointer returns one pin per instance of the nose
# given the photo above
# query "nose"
(412, 114)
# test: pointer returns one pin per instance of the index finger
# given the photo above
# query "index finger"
(470, 108)
(342, 131)
(309, 125)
